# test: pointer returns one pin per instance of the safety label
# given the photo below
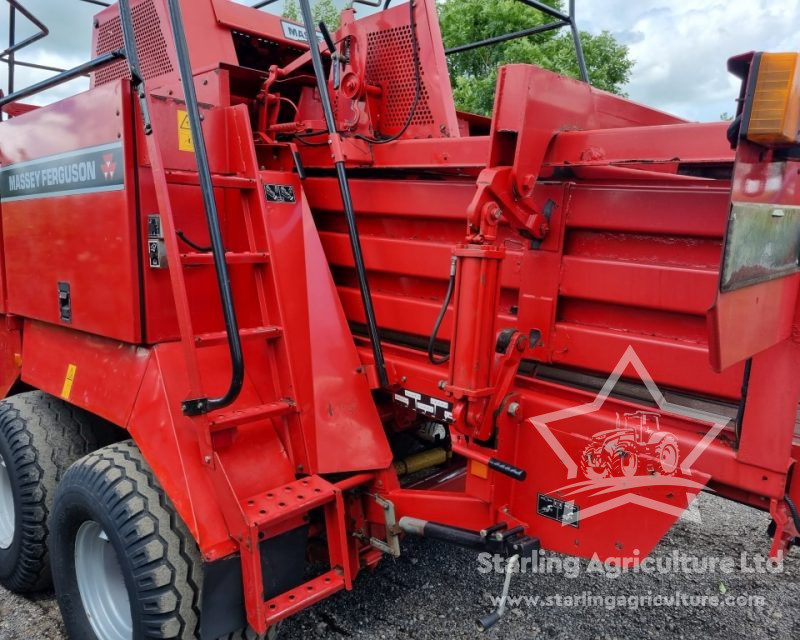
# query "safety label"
(558, 510)
(185, 140)
(422, 403)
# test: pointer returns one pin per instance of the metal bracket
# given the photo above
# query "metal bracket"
(497, 197)
(392, 543)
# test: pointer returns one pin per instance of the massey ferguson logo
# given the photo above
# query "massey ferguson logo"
(83, 171)
(109, 166)
(637, 462)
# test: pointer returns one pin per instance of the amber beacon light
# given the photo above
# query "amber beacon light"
(775, 111)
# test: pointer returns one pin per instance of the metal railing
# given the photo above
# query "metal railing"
(9, 55)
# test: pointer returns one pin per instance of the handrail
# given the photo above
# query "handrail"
(202, 405)
(561, 20)
(8, 56)
(64, 76)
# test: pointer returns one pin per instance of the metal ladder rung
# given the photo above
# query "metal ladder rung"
(275, 506)
(192, 178)
(195, 259)
(243, 416)
(219, 337)
(287, 604)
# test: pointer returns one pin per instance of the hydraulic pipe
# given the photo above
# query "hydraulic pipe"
(347, 200)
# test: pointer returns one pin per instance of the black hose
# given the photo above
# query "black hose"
(193, 245)
(440, 318)
(793, 510)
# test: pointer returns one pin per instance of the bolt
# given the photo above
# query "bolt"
(513, 409)
(207, 459)
(442, 384)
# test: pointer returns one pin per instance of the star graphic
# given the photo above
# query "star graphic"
(611, 485)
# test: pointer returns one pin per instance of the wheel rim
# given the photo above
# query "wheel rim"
(8, 516)
(101, 584)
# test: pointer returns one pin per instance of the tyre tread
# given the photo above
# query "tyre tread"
(45, 435)
(166, 561)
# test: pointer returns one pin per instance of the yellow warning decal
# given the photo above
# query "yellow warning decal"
(185, 141)
(66, 390)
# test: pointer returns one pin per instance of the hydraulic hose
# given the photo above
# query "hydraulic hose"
(440, 318)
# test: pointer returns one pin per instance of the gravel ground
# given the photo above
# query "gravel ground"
(436, 591)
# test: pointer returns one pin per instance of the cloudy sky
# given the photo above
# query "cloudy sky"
(680, 46)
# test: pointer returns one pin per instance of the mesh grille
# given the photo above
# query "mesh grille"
(153, 55)
(390, 66)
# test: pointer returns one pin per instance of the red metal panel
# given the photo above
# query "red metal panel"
(169, 441)
(639, 285)
(602, 534)
(342, 429)
(666, 143)
(658, 210)
(771, 408)
(87, 239)
(156, 53)
(758, 178)
(407, 257)
(10, 352)
(247, 20)
(670, 362)
(98, 374)
(729, 322)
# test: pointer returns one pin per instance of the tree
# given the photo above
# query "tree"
(291, 10)
(474, 73)
(323, 11)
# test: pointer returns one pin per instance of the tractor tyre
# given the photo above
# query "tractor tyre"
(593, 463)
(125, 565)
(40, 437)
(666, 455)
(624, 461)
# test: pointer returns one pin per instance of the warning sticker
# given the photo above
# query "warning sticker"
(66, 390)
(558, 510)
(437, 409)
(185, 140)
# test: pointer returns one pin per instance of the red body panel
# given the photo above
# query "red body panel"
(51, 239)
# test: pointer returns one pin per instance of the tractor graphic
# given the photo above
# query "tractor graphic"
(635, 445)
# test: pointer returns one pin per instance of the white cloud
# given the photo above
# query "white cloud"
(680, 46)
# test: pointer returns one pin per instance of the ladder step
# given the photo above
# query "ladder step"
(219, 337)
(175, 176)
(287, 604)
(196, 259)
(265, 510)
(243, 416)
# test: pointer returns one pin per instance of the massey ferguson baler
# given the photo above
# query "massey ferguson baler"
(268, 307)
